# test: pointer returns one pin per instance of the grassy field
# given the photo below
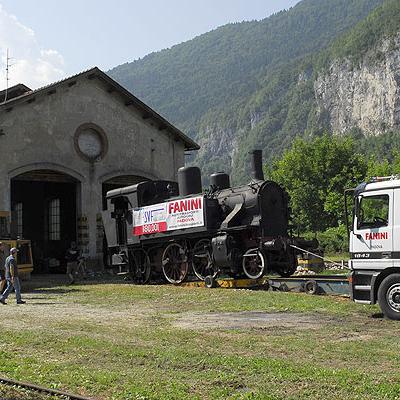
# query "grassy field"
(338, 257)
(118, 341)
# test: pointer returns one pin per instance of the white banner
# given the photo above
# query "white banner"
(177, 214)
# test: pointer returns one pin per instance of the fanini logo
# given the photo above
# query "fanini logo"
(184, 205)
(376, 236)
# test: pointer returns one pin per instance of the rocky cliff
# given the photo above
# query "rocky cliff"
(364, 93)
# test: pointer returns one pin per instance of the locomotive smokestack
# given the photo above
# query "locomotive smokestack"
(256, 165)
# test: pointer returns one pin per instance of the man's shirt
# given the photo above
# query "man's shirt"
(11, 267)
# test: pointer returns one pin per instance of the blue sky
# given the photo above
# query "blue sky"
(49, 40)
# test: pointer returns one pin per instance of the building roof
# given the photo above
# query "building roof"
(21, 93)
(14, 91)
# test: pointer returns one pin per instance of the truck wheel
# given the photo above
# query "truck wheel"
(389, 296)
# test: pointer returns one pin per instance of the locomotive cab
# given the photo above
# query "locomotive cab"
(117, 219)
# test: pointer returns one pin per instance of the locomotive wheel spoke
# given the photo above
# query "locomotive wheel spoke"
(202, 260)
(253, 264)
(140, 268)
(174, 263)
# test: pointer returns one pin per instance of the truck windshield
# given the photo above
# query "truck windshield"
(373, 211)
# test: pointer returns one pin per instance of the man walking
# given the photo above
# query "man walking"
(72, 256)
(3, 257)
(12, 278)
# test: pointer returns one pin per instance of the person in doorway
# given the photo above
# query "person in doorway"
(72, 256)
(3, 256)
(12, 278)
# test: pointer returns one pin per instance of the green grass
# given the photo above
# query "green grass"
(117, 341)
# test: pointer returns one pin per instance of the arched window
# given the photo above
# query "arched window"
(19, 216)
(54, 220)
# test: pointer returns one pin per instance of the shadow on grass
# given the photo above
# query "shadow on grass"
(47, 290)
(58, 283)
(377, 316)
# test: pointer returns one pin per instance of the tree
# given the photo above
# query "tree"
(385, 167)
(315, 173)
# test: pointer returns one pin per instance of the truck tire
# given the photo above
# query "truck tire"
(389, 296)
(311, 287)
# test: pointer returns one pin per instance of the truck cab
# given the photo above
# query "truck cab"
(375, 245)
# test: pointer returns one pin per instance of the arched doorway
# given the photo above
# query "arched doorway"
(44, 206)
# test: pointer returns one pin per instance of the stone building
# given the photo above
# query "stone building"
(65, 145)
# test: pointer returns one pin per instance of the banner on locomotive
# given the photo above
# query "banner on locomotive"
(163, 217)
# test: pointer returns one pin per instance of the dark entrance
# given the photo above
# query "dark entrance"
(44, 205)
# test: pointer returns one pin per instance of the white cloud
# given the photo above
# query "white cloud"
(32, 64)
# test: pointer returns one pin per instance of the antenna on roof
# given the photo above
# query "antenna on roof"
(8, 66)
(7, 74)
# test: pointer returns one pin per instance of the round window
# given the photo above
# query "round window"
(90, 142)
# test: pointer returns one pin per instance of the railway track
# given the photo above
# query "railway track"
(42, 389)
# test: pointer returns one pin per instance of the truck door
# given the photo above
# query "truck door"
(371, 243)
(396, 228)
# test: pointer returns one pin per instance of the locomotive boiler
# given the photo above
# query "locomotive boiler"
(165, 228)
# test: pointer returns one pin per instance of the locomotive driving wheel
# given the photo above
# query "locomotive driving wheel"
(175, 263)
(253, 263)
(139, 266)
(202, 260)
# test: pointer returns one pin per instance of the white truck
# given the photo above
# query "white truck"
(375, 244)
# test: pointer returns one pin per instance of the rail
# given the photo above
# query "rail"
(42, 389)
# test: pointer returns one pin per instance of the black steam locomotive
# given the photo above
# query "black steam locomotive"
(163, 227)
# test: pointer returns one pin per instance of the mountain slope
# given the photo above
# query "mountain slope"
(235, 83)
(356, 71)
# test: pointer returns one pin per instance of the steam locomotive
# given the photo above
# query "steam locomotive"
(164, 228)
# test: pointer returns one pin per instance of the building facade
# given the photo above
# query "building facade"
(65, 145)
